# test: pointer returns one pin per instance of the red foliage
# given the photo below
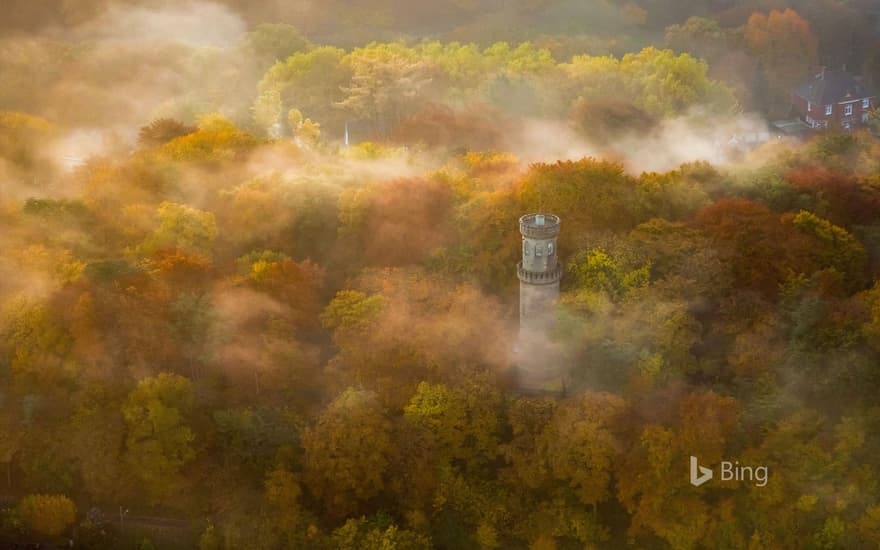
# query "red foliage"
(761, 251)
(840, 197)
(475, 128)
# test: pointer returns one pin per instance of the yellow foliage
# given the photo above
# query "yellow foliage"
(47, 515)
(216, 139)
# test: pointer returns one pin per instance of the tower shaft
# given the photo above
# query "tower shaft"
(539, 274)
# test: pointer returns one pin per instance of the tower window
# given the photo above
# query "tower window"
(538, 250)
(526, 249)
(550, 249)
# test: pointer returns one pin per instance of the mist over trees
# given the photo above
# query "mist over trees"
(224, 327)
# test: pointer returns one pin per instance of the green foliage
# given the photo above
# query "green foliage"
(836, 145)
(63, 210)
(597, 271)
(351, 309)
(271, 42)
(840, 250)
(657, 81)
(249, 439)
(310, 81)
(364, 534)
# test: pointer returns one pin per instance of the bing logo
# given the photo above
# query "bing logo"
(730, 471)
(699, 474)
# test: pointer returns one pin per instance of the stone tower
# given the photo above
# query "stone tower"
(539, 273)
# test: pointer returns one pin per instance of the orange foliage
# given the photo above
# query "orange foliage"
(403, 221)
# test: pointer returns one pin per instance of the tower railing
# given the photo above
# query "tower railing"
(548, 277)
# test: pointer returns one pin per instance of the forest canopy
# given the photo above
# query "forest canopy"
(258, 279)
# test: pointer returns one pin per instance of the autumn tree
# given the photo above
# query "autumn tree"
(786, 48)
(159, 441)
(346, 453)
(376, 534)
(182, 226)
(760, 250)
(273, 42)
(386, 81)
(34, 344)
(462, 422)
(602, 120)
(215, 138)
(702, 37)
(379, 221)
(580, 443)
(282, 492)
(588, 194)
(47, 515)
(161, 131)
(12, 434)
(309, 81)
(666, 505)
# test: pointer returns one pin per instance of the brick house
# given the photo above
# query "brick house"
(834, 99)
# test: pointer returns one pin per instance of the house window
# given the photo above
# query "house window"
(847, 109)
(866, 103)
(829, 109)
(809, 106)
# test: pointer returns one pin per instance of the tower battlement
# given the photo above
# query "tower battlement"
(541, 277)
(539, 226)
